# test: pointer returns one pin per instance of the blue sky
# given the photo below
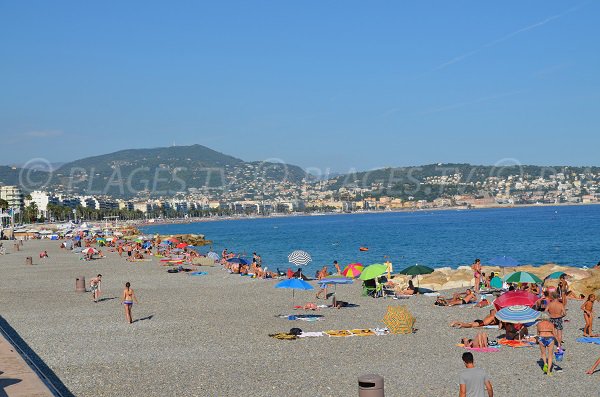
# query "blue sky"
(326, 84)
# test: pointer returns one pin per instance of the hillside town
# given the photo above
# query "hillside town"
(264, 196)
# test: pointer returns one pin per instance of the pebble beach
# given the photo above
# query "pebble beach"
(208, 336)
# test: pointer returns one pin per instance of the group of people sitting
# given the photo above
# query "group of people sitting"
(254, 269)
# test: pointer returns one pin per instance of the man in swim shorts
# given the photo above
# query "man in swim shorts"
(95, 287)
(556, 311)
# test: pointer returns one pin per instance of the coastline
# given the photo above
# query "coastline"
(157, 222)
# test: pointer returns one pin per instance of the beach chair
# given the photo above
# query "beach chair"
(369, 288)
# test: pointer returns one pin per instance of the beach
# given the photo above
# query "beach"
(208, 336)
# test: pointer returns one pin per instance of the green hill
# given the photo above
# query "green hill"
(166, 171)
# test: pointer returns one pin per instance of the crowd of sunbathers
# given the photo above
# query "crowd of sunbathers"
(254, 269)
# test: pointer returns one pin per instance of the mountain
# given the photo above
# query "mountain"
(28, 179)
(167, 171)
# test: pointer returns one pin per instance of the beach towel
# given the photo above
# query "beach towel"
(587, 339)
(310, 334)
(283, 336)
(490, 326)
(338, 333)
(483, 349)
(362, 332)
(380, 331)
(197, 273)
(515, 343)
(402, 297)
(431, 294)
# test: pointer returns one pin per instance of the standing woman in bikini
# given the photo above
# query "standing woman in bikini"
(476, 266)
(128, 299)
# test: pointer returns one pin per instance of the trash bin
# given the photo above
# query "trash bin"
(80, 284)
(370, 386)
(29, 261)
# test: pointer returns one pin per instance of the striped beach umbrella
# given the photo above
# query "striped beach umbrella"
(519, 314)
(352, 270)
(299, 258)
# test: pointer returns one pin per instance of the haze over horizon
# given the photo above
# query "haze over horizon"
(315, 85)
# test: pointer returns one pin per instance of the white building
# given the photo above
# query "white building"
(13, 195)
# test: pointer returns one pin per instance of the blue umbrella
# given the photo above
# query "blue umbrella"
(335, 280)
(294, 284)
(518, 314)
(147, 244)
(503, 261)
(241, 261)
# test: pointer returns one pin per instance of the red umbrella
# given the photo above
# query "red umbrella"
(515, 298)
(181, 245)
(173, 240)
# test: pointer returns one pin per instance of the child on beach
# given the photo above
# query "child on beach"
(588, 313)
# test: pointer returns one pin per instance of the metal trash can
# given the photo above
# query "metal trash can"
(29, 261)
(370, 386)
(80, 284)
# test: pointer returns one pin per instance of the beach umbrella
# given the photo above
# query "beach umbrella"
(163, 244)
(372, 271)
(334, 280)
(181, 245)
(496, 282)
(176, 250)
(172, 240)
(554, 276)
(213, 255)
(299, 258)
(515, 298)
(294, 284)
(147, 245)
(503, 261)
(353, 270)
(241, 261)
(416, 270)
(518, 314)
(523, 277)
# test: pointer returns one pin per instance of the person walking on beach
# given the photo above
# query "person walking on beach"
(588, 315)
(593, 369)
(474, 381)
(128, 299)
(563, 290)
(321, 275)
(95, 287)
(546, 339)
(476, 266)
(556, 310)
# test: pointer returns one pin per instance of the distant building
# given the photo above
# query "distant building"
(41, 200)
(13, 195)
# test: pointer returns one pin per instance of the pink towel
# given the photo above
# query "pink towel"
(483, 349)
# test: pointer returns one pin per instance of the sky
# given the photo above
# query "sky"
(327, 85)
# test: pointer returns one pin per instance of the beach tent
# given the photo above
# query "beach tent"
(399, 320)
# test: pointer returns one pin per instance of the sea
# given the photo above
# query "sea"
(566, 235)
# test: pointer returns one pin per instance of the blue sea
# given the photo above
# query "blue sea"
(567, 235)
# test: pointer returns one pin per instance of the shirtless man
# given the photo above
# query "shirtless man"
(458, 299)
(321, 275)
(95, 287)
(556, 310)
(490, 319)
(337, 268)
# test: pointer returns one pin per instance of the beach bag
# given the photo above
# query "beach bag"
(295, 331)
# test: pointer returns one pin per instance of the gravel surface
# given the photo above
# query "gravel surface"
(208, 336)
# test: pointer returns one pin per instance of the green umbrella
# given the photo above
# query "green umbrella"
(416, 270)
(523, 277)
(372, 271)
(555, 275)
